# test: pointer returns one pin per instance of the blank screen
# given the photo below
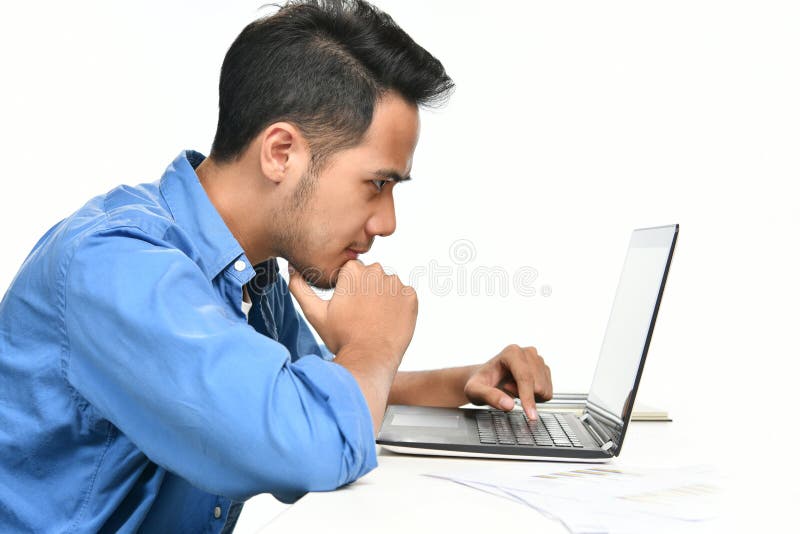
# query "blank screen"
(631, 315)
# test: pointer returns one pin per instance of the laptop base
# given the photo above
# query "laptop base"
(455, 432)
(403, 449)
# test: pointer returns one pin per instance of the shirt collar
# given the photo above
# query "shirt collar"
(196, 215)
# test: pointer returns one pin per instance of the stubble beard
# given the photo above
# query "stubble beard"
(293, 239)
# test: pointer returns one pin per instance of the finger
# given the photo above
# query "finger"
(478, 393)
(522, 370)
(314, 308)
(373, 277)
(543, 387)
(509, 386)
(347, 279)
(549, 391)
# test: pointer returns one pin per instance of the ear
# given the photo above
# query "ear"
(282, 148)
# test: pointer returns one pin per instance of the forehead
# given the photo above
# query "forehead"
(391, 138)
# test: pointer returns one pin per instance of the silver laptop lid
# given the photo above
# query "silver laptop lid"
(629, 330)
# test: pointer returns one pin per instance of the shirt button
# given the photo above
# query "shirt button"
(217, 512)
(239, 265)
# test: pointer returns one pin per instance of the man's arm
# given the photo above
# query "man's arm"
(515, 372)
(440, 387)
(197, 390)
(369, 330)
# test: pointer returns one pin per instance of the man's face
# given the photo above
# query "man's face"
(350, 201)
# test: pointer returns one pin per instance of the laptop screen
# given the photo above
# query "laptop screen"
(630, 324)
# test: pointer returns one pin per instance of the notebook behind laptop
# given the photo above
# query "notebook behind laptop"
(594, 435)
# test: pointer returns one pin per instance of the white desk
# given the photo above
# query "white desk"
(396, 498)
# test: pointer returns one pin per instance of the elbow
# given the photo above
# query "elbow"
(323, 464)
(302, 462)
(333, 442)
(315, 435)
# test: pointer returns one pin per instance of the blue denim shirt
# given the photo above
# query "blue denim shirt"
(136, 394)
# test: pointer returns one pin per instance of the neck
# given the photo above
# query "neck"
(231, 189)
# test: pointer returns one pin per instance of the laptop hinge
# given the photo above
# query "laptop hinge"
(597, 432)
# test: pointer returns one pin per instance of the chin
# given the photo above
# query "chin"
(323, 283)
(319, 277)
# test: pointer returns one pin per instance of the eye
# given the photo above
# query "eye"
(379, 184)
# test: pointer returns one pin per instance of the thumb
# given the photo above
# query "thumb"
(314, 308)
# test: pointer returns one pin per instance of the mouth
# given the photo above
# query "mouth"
(353, 253)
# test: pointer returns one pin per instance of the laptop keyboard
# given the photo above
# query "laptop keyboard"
(514, 428)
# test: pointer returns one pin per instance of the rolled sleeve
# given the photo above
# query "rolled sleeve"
(348, 408)
(155, 351)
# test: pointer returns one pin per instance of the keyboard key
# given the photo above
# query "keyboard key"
(549, 430)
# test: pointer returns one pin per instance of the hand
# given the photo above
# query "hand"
(518, 371)
(368, 324)
(369, 309)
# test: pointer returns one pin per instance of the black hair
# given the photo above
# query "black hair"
(321, 65)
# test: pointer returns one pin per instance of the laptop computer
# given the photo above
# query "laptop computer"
(596, 434)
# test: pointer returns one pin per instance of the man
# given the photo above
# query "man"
(154, 372)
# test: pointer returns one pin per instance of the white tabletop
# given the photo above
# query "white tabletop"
(395, 497)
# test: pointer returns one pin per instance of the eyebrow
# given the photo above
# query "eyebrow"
(392, 175)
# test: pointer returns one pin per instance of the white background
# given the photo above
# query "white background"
(572, 124)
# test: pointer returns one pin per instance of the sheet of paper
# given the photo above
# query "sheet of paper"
(606, 498)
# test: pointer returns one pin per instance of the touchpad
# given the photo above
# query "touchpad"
(426, 420)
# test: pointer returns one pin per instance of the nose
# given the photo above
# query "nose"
(383, 222)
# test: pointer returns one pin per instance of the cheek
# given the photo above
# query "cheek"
(344, 221)
(336, 217)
